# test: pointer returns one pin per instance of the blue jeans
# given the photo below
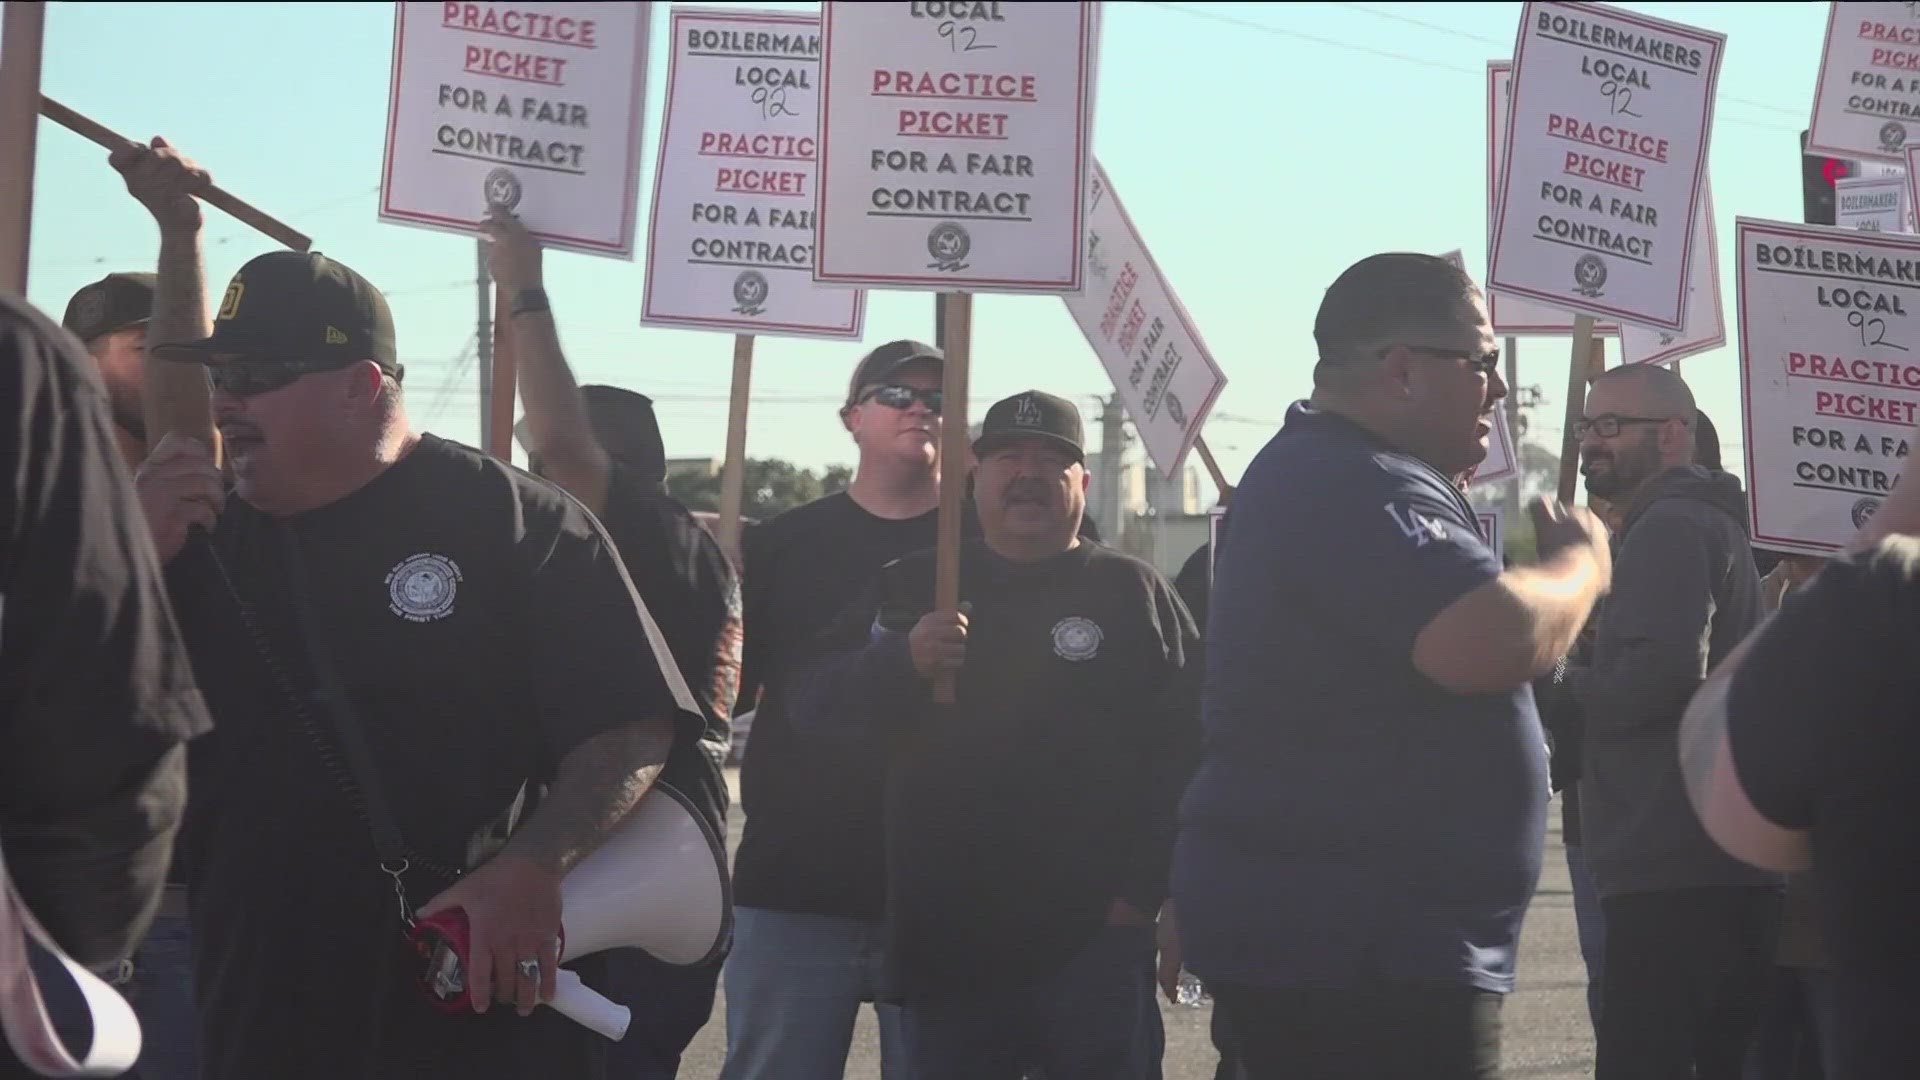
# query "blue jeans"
(1591, 926)
(1094, 1019)
(161, 993)
(794, 988)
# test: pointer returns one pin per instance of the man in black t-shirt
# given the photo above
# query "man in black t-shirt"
(809, 887)
(96, 695)
(1800, 754)
(1022, 908)
(110, 317)
(473, 624)
(602, 445)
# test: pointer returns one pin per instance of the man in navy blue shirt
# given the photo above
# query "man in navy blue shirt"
(1364, 834)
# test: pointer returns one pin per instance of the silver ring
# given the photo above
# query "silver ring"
(530, 969)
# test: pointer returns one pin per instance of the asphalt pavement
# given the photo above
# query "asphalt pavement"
(1546, 1033)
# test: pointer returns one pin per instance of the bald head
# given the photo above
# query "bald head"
(1651, 391)
(1638, 423)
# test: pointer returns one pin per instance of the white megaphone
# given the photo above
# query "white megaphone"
(658, 884)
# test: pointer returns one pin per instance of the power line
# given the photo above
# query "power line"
(333, 203)
(1385, 54)
(1455, 32)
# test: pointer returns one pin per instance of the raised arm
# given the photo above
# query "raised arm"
(166, 183)
(558, 431)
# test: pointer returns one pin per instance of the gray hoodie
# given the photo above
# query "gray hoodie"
(1685, 592)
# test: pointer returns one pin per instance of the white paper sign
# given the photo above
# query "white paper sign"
(1706, 314)
(1145, 338)
(1499, 463)
(1493, 530)
(1866, 102)
(1607, 152)
(730, 239)
(1510, 314)
(1830, 376)
(535, 109)
(1871, 203)
(956, 145)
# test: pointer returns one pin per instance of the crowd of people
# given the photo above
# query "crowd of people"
(283, 677)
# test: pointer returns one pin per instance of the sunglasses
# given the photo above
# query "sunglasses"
(1487, 364)
(903, 397)
(249, 378)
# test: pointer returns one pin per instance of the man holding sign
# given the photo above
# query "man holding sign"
(1021, 914)
(1363, 836)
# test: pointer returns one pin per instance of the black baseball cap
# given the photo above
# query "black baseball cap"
(298, 307)
(623, 424)
(115, 302)
(879, 365)
(1032, 415)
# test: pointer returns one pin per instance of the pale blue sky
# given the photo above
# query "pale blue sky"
(1260, 148)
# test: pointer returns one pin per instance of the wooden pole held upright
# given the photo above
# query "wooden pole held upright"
(955, 450)
(500, 400)
(1579, 373)
(733, 469)
(24, 25)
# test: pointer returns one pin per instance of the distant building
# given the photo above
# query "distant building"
(701, 466)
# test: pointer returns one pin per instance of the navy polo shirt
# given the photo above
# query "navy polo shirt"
(1351, 820)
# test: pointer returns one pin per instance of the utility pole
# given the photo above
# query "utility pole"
(483, 344)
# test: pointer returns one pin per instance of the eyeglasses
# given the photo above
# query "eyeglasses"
(248, 378)
(1487, 364)
(1609, 425)
(903, 397)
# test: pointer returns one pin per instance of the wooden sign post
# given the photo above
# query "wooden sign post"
(733, 469)
(907, 199)
(19, 89)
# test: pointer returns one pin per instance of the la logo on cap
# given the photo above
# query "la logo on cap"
(1026, 411)
(335, 337)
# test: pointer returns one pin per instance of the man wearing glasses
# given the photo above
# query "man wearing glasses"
(809, 877)
(1364, 833)
(1689, 928)
(472, 623)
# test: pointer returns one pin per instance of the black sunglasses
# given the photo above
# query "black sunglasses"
(249, 378)
(903, 397)
(1485, 363)
(1609, 425)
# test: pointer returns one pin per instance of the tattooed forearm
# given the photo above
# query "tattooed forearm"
(176, 394)
(599, 783)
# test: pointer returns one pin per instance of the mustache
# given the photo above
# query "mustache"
(239, 430)
(1027, 491)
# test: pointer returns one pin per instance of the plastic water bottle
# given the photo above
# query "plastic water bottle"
(1190, 993)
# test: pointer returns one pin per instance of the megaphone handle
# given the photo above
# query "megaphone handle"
(589, 1008)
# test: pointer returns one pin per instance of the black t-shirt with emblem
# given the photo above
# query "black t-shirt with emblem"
(482, 627)
(1017, 816)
